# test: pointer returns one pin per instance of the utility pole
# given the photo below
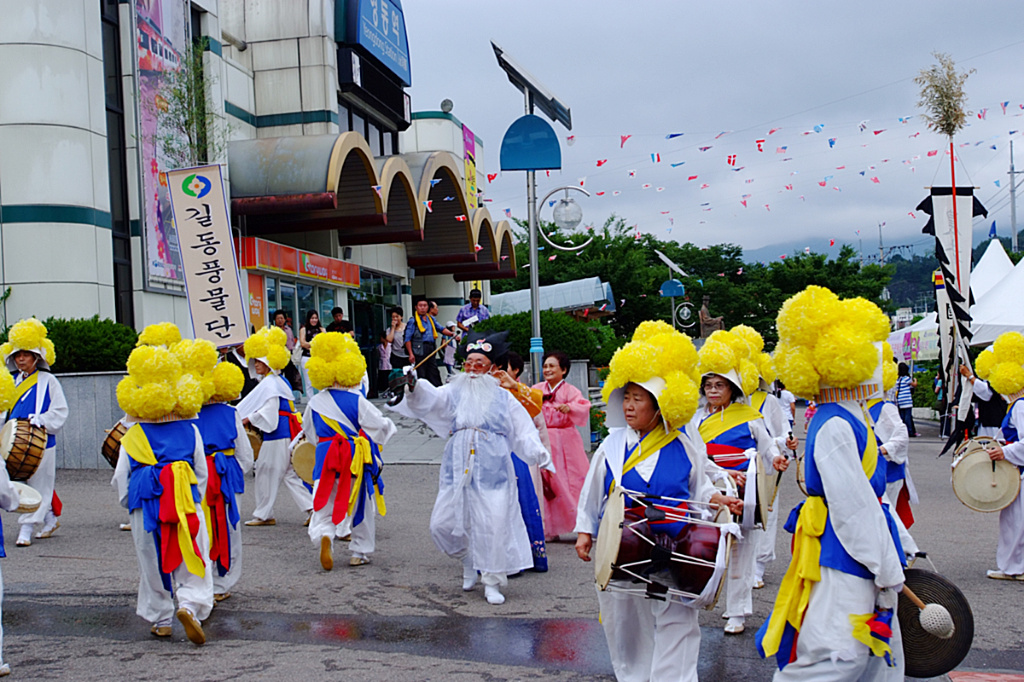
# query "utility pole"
(881, 247)
(1013, 202)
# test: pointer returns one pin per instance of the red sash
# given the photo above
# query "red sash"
(337, 468)
(220, 547)
(169, 547)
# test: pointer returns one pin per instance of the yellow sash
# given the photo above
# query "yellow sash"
(805, 567)
(653, 442)
(757, 399)
(422, 328)
(24, 387)
(136, 444)
(718, 423)
(362, 457)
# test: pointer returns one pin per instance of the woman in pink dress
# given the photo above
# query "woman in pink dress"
(564, 409)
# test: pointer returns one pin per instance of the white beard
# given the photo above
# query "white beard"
(472, 395)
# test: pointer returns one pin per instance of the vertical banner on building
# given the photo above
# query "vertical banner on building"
(257, 302)
(200, 211)
(161, 42)
(469, 157)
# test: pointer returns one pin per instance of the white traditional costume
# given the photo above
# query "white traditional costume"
(648, 639)
(160, 478)
(269, 408)
(1000, 366)
(476, 516)
(736, 439)
(347, 430)
(894, 445)
(39, 399)
(834, 616)
(9, 500)
(229, 457)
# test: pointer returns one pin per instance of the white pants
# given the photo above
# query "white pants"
(1010, 550)
(222, 584)
(273, 466)
(310, 391)
(990, 431)
(739, 579)
(650, 639)
(42, 481)
(194, 593)
(363, 536)
(766, 542)
(826, 650)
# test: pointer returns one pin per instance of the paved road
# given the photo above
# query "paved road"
(69, 607)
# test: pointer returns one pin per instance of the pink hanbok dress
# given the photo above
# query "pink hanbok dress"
(562, 489)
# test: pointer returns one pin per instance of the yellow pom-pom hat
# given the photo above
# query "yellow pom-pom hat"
(269, 345)
(825, 343)
(763, 364)
(335, 361)
(164, 334)
(157, 388)
(29, 335)
(198, 358)
(663, 362)
(228, 381)
(1002, 365)
(729, 356)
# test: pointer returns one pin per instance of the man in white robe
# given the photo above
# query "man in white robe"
(476, 516)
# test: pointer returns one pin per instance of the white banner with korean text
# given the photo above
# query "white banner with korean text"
(200, 211)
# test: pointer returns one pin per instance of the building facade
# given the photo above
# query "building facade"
(340, 195)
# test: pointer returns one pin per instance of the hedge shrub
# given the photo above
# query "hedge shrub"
(579, 340)
(89, 344)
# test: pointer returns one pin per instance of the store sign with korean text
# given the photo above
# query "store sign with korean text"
(200, 212)
(259, 254)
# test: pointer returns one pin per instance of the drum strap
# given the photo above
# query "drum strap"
(715, 425)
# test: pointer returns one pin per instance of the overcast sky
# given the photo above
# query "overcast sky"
(654, 68)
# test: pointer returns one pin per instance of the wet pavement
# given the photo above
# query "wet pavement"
(70, 600)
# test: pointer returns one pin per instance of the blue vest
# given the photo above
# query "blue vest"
(217, 426)
(1009, 430)
(671, 478)
(893, 471)
(171, 442)
(833, 554)
(26, 407)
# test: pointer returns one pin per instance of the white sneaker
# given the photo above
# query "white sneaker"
(493, 595)
(469, 579)
(735, 625)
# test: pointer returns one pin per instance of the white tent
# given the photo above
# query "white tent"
(1001, 309)
(581, 294)
(991, 268)
(993, 313)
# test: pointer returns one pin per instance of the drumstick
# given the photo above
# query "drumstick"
(778, 480)
(914, 599)
(935, 619)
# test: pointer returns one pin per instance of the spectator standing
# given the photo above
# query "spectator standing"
(338, 320)
(306, 334)
(905, 386)
(474, 307)
(290, 372)
(421, 339)
(396, 337)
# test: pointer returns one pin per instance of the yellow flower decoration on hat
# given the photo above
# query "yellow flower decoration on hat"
(156, 387)
(161, 334)
(1005, 367)
(228, 381)
(335, 359)
(198, 358)
(889, 368)
(751, 336)
(985, 363)
(657, 350)
(740, 347)
(766, 366)
(717, 358)
(825, 341)
(7, 391)
(30, 334)
(269, 343)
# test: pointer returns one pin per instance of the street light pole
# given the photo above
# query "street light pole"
(536, 341)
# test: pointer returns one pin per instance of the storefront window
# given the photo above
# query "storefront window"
(326, 304)
(307, 300)
(288, 302)
(271, 298)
